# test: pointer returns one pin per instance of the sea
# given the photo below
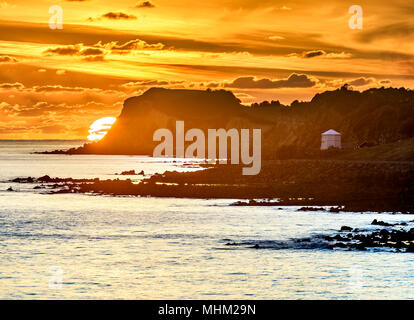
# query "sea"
(81, 246)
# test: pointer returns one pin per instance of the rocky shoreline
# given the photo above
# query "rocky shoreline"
(347, 238)
(342, 185)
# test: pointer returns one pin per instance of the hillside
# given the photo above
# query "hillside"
(379, 116)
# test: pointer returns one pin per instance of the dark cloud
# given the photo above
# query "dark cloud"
(118, 16)
(91, 52)
(97, 51)
(64, 51)
(321, 53)
(294, 81)
(145, 4)
(361, 82)
(314, 53)
(385, 82)
(7, 59)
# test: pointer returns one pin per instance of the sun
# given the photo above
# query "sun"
(100, 128)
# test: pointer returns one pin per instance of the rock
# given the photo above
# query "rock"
(45, 178)
(37, 187)
(10, 189)
(311, 209)
(375, 222)
(23, 180)
(346, 228)
(128, 173)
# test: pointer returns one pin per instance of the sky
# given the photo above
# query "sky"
(54, 83)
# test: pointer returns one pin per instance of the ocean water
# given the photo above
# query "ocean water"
(73, 246)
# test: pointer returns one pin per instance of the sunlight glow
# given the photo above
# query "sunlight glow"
(100, 128)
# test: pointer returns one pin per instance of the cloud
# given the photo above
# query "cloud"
(28, 112)
(370, 82)
(293, 81)
(361, 82)
(70, 50)
(128, 46)
(321, 53)
(91, 53)
(144, 84)
(7, 59)
(17, 93)
(56, 88)
(145, 4)
(16, 85)
(97, 51)
(312, 54)
(118, 16)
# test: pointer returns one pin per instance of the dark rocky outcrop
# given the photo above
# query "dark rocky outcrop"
(132, 173)
(381, 239)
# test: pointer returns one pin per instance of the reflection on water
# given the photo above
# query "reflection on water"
(146, 248)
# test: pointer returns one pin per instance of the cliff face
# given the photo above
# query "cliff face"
(379, 116)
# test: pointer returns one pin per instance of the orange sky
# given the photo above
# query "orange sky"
(55, 83)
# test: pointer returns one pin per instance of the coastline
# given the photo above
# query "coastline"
(374, 186)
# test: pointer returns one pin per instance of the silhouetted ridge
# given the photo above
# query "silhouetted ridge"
(374, 117)
(187, 104)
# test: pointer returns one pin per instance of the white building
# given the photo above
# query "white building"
(331, 138)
